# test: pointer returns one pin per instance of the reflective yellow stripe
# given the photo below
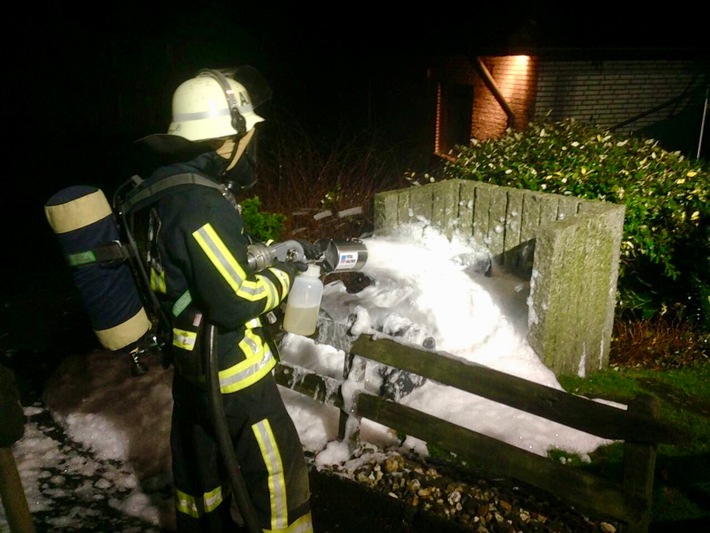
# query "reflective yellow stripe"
(277, 483)
(252, 345)
(191, 506)
(230, 269)
(184, 339)
(253, 323)
(272, 297)
(283, 279)
(257, 363)
(185, 504)
(157, 281)
(249, 371)
(303, 525)
(212, 499)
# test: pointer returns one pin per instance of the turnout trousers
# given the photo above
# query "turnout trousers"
(267, 449)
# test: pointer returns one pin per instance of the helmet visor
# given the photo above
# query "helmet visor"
(255, 84)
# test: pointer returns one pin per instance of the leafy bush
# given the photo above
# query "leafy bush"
(261, 225)
(665, 250)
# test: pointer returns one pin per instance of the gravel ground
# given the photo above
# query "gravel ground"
(429, 497)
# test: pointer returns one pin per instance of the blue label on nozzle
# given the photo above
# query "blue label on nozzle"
(347, 261)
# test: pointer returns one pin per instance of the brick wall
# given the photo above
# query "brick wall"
(629, 95)
(515, 77)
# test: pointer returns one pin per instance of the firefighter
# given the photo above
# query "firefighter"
(196, 252)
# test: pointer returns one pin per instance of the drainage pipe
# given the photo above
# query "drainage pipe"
(702, 122)
(493, 87)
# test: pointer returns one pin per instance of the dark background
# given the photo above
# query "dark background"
(83, 81)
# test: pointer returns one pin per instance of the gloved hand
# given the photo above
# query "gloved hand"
(292, 268)
(310, 250)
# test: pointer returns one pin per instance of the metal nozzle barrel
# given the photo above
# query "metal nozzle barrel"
(343, 255)
(338, 255)
(262, 256)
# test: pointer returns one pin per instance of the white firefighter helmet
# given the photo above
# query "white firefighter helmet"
(212, 105)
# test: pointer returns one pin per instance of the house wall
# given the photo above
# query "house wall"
(658, 98)
(628, 96)
(516, 79)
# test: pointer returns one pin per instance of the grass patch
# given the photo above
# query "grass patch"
(652, 362)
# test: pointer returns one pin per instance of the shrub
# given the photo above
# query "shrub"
(665, 250)
(658, 343)
(262, 225)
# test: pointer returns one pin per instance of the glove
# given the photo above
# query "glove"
(310, 250)
(301, 266)
(292, 268)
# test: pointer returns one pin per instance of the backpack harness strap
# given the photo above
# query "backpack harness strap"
(140, 197)
(114, 251)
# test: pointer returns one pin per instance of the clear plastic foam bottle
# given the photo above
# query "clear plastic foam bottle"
(303, 303)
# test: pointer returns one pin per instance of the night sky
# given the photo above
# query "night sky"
(63, 61)
(66, 66)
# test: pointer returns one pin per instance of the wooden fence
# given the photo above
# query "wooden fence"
(627, 501)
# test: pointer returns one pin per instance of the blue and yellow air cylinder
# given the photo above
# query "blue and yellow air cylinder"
(83, 221)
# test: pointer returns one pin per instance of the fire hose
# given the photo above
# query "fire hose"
(224, 440)
(337, 256)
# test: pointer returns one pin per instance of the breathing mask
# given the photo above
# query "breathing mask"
(239, 154)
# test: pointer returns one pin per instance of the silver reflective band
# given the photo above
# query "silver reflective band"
(211, 113)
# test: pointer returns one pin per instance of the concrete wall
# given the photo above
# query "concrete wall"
(567, 247)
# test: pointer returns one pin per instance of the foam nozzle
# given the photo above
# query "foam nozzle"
(343, 255)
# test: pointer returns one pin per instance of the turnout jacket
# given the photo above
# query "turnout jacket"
(197, 256)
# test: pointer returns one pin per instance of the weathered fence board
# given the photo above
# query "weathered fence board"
(639, 464)
(320, 388)
(585, 490)
(512, 240)
(638, 427)
(552, 404)
(445, 202)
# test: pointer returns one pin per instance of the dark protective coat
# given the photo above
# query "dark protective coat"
(197, 256)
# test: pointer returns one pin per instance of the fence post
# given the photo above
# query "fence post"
(12, 429)
(640, 464)
(354, 381)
